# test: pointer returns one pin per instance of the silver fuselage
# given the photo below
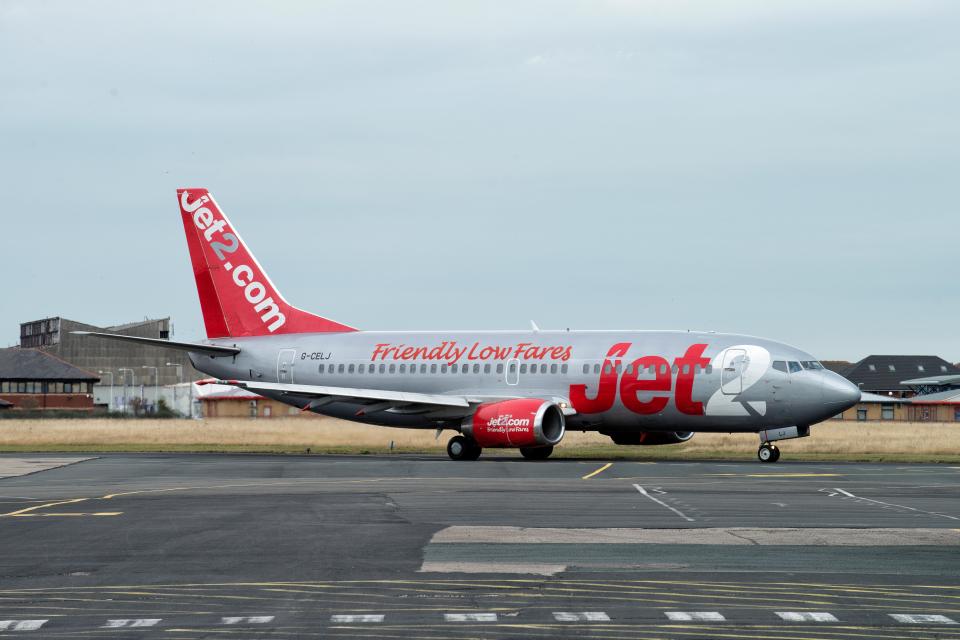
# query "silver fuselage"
(609, 380)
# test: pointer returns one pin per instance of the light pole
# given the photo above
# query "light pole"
(179, 382)
(110, 373)
(156, 388)
(133, 381)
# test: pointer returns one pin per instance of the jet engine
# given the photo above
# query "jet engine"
(523, 422)
(648, 437)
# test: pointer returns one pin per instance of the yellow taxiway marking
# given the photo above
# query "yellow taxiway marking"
(42, 506)
(32, 512)
(774, 475)
(600, 470)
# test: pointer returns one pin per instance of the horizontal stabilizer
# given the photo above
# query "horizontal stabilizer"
(209, 349)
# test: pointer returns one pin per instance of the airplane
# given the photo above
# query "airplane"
(495, 389)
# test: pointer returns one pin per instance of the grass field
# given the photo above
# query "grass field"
(859, 441)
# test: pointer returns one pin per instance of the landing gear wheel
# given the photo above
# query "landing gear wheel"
(457, 448)
(474, 451)
(460, 448)
(536, 453)
(768, 453)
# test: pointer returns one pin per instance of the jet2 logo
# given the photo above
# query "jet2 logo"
(244, 277)
(630, 385)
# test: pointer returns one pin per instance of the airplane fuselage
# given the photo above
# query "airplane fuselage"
(616, 381)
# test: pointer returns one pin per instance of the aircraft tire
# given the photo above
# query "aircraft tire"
(536, 453)
(766, 453)
(474, 450)
(458, 448)
(776, 452)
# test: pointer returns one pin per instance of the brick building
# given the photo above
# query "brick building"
(32, 379)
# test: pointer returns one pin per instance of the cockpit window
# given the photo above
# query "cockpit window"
(811, 364)
(794, 367)
(780, 365)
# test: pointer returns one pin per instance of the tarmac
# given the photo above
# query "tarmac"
(402, 546)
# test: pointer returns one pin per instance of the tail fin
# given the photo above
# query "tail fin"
(236, 296)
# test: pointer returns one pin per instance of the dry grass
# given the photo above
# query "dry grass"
(830, 441)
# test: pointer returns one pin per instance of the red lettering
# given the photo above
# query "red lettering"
(606, 390)
(630, 386)
(686, 367)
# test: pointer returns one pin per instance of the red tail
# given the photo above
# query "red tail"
(236, 296)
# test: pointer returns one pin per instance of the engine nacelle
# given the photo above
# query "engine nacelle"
(524, 422)
(648, 437)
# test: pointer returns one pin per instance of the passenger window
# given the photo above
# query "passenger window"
(563, 368)
(393, 368)
(433, 368)
(403, 368)
(523, 368)
(499, 368)
(340, 369)
(486, 368)
(320, 369)
(686, 369)
(596, 369)
(780, 365)
(443, 368)
(383, 368)
(553, 368)
(607, 368)
(350, 369)
(709, 369)
(794, 367)
(586, 368)
(476, 368)
(372, 368)
(465, 369)
(513, 367)
(423, 368)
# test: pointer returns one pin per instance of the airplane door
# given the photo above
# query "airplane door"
(731, 376)
(513, 371)
(285, 366)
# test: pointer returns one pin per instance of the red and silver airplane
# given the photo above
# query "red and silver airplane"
(496, 389)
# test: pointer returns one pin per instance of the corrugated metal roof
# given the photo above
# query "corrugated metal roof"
(866, 396)
(31, 364)
(888, 371)
(933, 380)
(951, 396)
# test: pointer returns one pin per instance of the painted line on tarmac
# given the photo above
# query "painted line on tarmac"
(645, 493)
(847, 494)
(600, 470)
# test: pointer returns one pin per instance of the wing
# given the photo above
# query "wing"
(369, 401)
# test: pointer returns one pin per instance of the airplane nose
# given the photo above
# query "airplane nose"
(838, 391)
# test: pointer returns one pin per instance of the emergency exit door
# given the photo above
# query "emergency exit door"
(285, 366)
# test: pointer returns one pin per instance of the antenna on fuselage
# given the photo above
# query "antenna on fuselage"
(536, 329)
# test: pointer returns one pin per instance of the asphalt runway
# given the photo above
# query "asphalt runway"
(250, 546)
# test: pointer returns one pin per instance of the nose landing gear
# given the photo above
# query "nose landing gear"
(768, 452)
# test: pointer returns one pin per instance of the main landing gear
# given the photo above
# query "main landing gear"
(460, 448)
(768, 452)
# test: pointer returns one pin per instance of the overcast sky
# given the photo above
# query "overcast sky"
(785, 169)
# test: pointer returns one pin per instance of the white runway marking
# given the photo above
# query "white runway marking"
(21, 625)
(246, 620)
(581, 616)
(807, 616)
(847, 494)
(470, 617)
(921, 618)
(363, 617)
(131, 622)
(687, 616)
(662, 503)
